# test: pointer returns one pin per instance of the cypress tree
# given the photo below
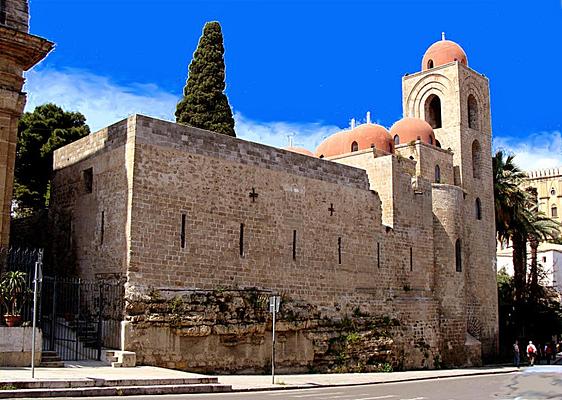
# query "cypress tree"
(204, 104)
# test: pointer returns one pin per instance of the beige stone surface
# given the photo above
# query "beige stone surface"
(16, 345)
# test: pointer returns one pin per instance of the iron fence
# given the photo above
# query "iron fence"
(78, 318)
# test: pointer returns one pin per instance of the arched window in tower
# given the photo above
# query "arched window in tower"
(433, 111)
(554, 211)
(396, 139)
(458, 256)
(478, 206)
(390, 148)
(430, 64)
(354, 146)
(437, 174)
(476, 159)
(472, 112)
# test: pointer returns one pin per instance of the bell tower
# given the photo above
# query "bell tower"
(19, 51)
(455, 100)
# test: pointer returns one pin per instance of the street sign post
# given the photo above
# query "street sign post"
(274, 303)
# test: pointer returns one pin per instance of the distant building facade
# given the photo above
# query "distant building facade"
(394, 225)
(549, 257)
(548, 183)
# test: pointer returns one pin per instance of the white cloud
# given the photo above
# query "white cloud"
(104, 102)
(307, 134)
(538, 151)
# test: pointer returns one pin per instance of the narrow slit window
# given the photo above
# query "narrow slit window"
(241, 240)
(411, 260)
(458, 255)
(294, 244)
(182, 232)
(339, 250)
(88, 179)
(378, 255)
(2, 12)
(478, 206)
(102, 227)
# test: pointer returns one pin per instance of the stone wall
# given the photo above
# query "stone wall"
(15, 14)
(427, 157)
(90, 204)
(230, 331)
(15, 346)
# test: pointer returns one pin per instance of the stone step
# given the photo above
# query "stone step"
(51, 364)
(49, 357)
(99, 382)
(115, 391)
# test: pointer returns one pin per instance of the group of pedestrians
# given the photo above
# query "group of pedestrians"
(534, 354)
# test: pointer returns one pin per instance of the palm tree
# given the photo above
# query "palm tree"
(510, 202)
(519, 221)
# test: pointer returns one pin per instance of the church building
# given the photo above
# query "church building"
(389, 225)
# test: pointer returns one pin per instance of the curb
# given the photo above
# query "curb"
(322, 385)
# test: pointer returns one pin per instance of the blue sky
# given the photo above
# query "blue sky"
(303, 67)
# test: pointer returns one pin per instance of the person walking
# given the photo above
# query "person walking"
(516, 354)
(531, 353)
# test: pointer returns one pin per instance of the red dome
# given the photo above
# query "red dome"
(409, 129)
(300, 150)
(363, 137)
(443, 52)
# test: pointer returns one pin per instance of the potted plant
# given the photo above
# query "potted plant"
(13, 290)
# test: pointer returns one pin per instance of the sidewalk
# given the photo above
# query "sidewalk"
(97, 379)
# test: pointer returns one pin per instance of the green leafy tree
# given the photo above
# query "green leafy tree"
(40, 133)
(204, 104)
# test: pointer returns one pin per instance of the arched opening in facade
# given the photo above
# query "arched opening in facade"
(390, 148)
(476, 159)
(472, 106)
(429, 64)
(433, 111)
(437, 174)
(554, 211)
(458, 256)
(437, 143)
(478, 206)
(354, 146)
(396, 139)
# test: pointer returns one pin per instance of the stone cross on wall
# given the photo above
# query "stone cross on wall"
(253, 195)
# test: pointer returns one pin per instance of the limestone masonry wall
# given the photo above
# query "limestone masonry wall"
(89, 213)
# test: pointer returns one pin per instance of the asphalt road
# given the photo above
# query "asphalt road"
(538, 383)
